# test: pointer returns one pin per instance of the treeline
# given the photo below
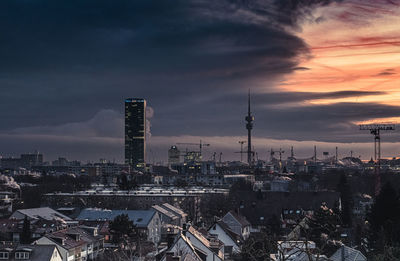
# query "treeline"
(37, 186)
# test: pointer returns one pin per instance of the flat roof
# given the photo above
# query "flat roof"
(146, 192)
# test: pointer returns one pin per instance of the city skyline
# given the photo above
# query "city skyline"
(316, 70)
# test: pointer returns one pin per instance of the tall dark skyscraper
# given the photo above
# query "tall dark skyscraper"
(135, 132)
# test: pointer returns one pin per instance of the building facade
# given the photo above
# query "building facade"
(135, 132)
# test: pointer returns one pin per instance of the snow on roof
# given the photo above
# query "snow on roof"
(350, 254)
(140, 218)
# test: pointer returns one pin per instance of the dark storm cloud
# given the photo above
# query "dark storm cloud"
(273, 98)
(67, 60)
(66, 67)
(273, 119)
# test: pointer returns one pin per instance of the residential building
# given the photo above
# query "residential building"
(237, 223)
(6, 202)
(188, 199)
(146, 221)
(75, 243)
(182, 216)
(11, 229)
(230, 239)
(183, 248)
(211, 246)
(45, 213)
(30, 253)
(166, 216)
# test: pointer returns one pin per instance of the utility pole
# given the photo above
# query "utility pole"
(375, 129)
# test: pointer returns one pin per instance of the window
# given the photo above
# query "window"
(21, 255)
(3, 255)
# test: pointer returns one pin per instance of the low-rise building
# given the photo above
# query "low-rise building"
(212, 247)
(237, 223)
(230, 239)
(182, 216)
(146, 221)
(30, 253)
(45, 213)
(75, 244)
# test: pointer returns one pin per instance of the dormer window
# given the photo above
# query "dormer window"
(3, 255)
(21, 255)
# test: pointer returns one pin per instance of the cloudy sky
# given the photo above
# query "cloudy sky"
(316, 69)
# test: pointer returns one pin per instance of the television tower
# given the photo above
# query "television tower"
(249, 126)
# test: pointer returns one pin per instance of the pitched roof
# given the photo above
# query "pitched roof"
(241, 219)
(188, 256)
(350, 254)
(45, 213)
(38, 252)
(235, 237)
(69, 242)
(140, 218)
(164, 211)
(173, 209)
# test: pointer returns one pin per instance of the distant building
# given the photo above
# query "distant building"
(135, 132)
(25, 161)
(31, 159)
(174, 155)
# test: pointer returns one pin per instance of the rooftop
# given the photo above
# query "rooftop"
(146, 191)
(140, 218)
(44, 213)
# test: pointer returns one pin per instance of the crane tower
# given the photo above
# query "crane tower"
(375, 129)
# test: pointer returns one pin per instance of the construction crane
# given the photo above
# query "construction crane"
(375, 130)
(241, 142)
(201, 145)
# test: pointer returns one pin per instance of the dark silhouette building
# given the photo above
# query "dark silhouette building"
(135, 132)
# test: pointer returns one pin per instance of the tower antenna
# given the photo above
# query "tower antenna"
(249, 126)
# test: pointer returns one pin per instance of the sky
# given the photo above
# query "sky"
(316, 69)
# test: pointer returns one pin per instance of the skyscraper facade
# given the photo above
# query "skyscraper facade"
(135, 132)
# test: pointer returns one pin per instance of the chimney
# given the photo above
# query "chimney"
(343, 254)
(214, 245)
(169, 256)
(184, 229)
(59, 240)
(170, 240)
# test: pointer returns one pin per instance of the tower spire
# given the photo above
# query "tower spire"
(249, 126)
